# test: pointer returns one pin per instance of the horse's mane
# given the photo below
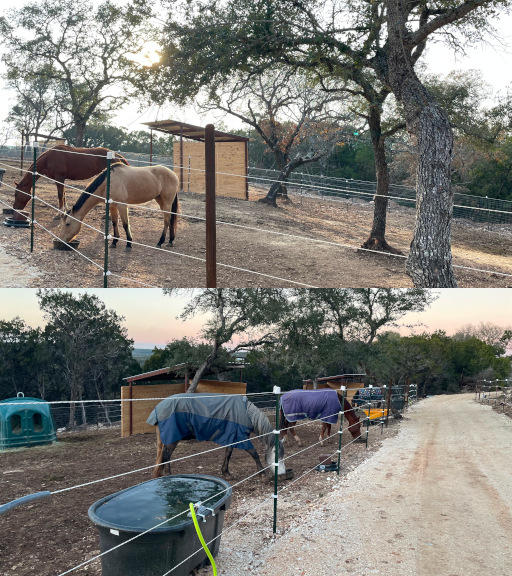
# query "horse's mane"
(93, 186)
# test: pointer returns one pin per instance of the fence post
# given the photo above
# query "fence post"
(277, 392)
(33, 206)
(106, 272)
(383, 413)
(368, 422)
(340, 429)
(388, 402)
(188, 175)
(211, 233)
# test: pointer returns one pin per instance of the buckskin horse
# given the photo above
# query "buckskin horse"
(322, 404)
(62, 163)
(128, 185)
(223, 419)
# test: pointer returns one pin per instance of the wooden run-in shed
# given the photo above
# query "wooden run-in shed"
(352, 382)
(143, 392)
(231, 158)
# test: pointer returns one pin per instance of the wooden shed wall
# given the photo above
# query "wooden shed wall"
(140, 409)
(229, 158)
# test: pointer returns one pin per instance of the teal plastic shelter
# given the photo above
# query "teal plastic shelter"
(25, 421)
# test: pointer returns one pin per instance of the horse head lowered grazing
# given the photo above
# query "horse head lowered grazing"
(128, 185)
(227, 420)
(62, 163)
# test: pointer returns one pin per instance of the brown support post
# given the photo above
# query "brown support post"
(22, 150)
(388, 402)
(181, 159)
(131, 409)
(211, 239)
(151, 147)
(246, 170)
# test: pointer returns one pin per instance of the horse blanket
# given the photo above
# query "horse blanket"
(320, 404)
(209, 417)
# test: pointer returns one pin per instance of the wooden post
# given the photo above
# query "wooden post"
(151, 147)
(211, 239)
(246, 170)
(130, 388)
(181, 158)
(33, 205)
(388, 402)
(22, 150)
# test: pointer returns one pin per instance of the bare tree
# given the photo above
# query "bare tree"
(298, 122)
(81, 49)
(248, 315)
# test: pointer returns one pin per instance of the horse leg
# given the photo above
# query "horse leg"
(256, 458)
(294, 434)
(225, 464)
(125, 219)
(62, 201)
(114, 216)
(167, 219)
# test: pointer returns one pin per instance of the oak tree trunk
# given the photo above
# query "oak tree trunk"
(430, 259)
(377, 238)
(278, 189)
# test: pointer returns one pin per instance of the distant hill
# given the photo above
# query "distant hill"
(141, 354)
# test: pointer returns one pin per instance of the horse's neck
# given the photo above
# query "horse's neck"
(88, 205)
(260, 423)
(349, 412)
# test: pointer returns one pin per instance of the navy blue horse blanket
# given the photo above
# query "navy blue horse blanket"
(320, 404)
(223, 419)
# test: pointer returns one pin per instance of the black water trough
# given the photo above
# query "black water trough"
(125, 514)
(18, 220)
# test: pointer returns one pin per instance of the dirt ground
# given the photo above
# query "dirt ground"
(435, 500)
(303, 261)
(49, 536)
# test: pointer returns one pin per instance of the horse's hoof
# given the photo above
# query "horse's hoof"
(128, 247)
(113, 245)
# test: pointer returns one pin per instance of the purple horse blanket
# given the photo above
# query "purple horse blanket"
(320, 404)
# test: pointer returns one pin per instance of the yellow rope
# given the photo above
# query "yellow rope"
(201, 539)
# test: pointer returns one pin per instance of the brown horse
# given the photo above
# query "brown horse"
(128, 185)
(62, 163)
(302, 412)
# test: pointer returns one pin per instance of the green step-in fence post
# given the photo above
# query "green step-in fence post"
(106, 273)
(383, 410)
(340, 428)
(369, 412)
(33, 207)
(277, 392)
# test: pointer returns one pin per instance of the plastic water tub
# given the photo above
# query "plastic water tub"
(125, 514)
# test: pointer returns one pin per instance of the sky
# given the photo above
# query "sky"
(491, 59)
(150, 316)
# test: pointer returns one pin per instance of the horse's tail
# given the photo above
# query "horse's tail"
(282, 419)
(174, 215)
(160, 449)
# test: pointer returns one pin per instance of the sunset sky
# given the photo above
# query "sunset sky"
(151, 316)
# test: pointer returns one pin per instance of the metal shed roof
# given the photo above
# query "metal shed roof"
(190, 131)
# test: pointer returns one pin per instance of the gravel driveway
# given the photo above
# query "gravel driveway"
(435, 500)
